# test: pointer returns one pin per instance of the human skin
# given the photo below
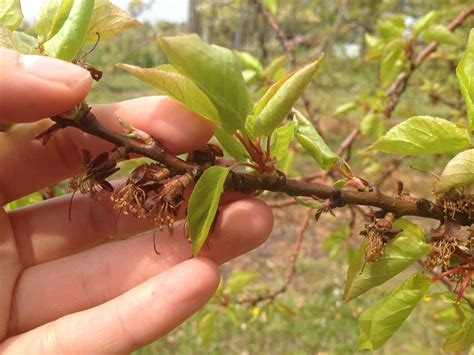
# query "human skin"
(95, 284)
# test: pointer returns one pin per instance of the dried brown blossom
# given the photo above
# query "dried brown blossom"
(97, 171)
(377, 234)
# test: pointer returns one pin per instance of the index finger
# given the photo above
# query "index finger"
(176, 128)
(33, 87)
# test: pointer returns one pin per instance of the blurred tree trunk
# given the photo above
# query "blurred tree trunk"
(194, 21)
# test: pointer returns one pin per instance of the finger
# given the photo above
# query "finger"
(94, 276)
(35, 87)
(10, 267)
(130, 321)
(174, 126)
(44, 232)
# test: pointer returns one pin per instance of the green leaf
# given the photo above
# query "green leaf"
(239, 279)
(10, 14)
(13, 40)
(271, 5)
(312, 142)
(402, 251)
(51, 17)
(216, 70)
(344, 108)
(458, 173)
(284, 309)
(391, 28)
(440, 34)
(375, 47)
(281, 139)
(379, 322)
(309, 203)
(423, 135)
(28, 39)
(280, 98)
(170, 82)
(203, 203)
(368, 123)
(465, 74)
(230, 144)
(463, 336)
(205, 328)
(423, 22)
(108, 20)
(248, 61)
(274, 67)
(286, 163)
(69, 39)
(390, 66)
(249, 76)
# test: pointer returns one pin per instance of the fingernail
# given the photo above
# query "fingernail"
(53, 69)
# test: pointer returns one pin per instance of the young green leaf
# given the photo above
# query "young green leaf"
(367, 123)
(216, 70)
(274, 68)
(392, 27)
(463, 336)
(248, 61)
(13, 40)
(230, 144)
(440, 34)
(421, 24)
(312, 142)
(281, 139)
(314, 204)
(108, 20)
(465, 74)
(169, 81)
(379, 322)
(203, 203)
(10, 14)
(280, 98)
(249, 76)
(459, 172)
(423, 135)
(239, 279)
(390, 66)
(68, 41)
(284, 309)
(345, 108)
(285, 165)
(51, 17)
(402, 251)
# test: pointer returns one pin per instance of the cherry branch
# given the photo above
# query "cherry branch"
(248, 183)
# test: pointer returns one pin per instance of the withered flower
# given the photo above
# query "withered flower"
(97, 171)
(162, 207)
(377, 234)
(131, 197)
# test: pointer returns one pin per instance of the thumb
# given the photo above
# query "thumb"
(33, 87)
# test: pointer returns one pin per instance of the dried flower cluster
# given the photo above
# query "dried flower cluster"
(377, 234)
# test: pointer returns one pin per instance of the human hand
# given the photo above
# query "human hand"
(63, 287)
